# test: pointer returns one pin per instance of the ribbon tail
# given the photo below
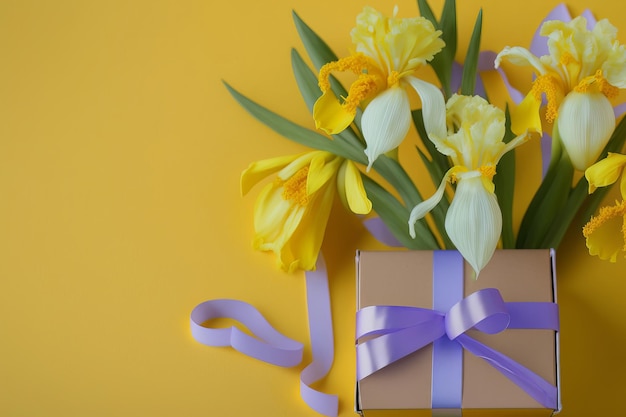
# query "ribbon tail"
(322, 342)
(538, 388)
(533, 315)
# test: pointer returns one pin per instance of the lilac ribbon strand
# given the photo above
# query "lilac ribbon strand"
(393, 332)
(269, 345)
(322, 342)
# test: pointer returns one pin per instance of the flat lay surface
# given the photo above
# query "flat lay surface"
(120, 157)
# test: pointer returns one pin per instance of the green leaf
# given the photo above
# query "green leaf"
(561, 223)
(439, 159)
(318, 50)
(295, 132)
(468, 82)
(306, 80)
(427, 12)
(448, 27)
(398, 178)
(547, 205)
(396, 218)
(504, 181)
(443, 61)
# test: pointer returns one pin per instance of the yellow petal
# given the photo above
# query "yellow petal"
(606, 171)
(585, 122)
(330, 116)
(275, 219)
(323, 169)
(303, 248)
(525, 116)
(605, 232)
(351, 190)
(257, 171)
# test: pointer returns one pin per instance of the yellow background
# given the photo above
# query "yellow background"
(120, 155)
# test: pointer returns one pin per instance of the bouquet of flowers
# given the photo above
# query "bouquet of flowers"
(467, 144)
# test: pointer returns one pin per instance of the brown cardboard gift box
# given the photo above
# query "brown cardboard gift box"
(404, 278)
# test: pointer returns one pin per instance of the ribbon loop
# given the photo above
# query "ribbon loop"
(484, 310)
(268, 346)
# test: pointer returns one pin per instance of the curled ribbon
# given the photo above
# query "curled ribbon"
(394, 332)
(269, 345)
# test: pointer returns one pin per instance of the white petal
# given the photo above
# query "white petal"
(433, 108)
(474, 222)
(423, 208)
(385, 122)
(586, 122)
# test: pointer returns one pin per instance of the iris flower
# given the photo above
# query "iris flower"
(474, 144)
(291, 213)
(600, 232)
(582, 72)
(388, 51)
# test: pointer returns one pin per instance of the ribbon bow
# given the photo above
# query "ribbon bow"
(394, 332)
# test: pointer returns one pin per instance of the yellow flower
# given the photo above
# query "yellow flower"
(600, 232)
(388, 51)
(474, 144)
(585, 68)
(291, 213)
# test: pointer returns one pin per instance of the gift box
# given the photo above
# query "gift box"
(406, 296)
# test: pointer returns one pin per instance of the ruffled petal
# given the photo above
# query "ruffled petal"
(385, 122)
(585, 122)
(258, 170)
(351, 189)
(330, 116)
(606, 171)
(474, 221)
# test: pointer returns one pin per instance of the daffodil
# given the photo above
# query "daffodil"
(606, 232)
(474, 143)
(291, 213)
(583, 71)
(388, 51)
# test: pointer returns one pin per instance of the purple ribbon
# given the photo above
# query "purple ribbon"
(269, 345)
(393, 332)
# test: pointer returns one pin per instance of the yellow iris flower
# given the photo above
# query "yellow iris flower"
(388, 51)
(600, 232)
(291, 213)
(584, 70)
(474, 144)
